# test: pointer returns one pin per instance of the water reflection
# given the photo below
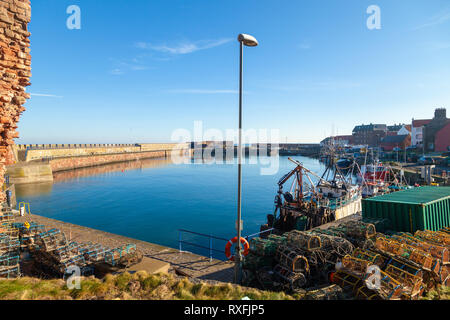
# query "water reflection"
(75, 174)
(152, 204)
(33, 189)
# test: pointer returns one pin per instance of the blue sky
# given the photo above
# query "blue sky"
(137, 70)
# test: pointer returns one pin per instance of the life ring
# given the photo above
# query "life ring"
(230, 244)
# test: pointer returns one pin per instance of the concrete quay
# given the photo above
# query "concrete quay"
(156, 257)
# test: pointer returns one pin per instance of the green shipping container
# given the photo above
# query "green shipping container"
(424, 208)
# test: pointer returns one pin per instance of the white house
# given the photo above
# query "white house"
(417, 131)
(405, 130)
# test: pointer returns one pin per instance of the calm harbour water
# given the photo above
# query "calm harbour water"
(151, 199)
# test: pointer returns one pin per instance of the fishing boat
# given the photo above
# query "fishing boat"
(309, 204)
(344, 163)
(378, 179)
(375, 171)
(372, 179)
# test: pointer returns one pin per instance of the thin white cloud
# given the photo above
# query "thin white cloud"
(305, 46)
(202, 91)
(116, 72)
(183, 47)
(139, 68)
(436, 20)
(122, 66)
(44, 95)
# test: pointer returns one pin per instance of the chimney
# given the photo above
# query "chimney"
(440, 113)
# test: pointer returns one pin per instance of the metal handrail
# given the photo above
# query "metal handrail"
(258, 233)
(210, 237)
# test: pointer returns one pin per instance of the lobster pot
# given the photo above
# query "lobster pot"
(339, 246)
(381, 225)
(440, 238)
(64, 266)
(412, 284)
(333, 248)
(419, 257)
(32, 229)
(329, 292)
(436, 251)
(123, 256)
(8, 245)
(263, 247)
(304, 240)
(332, 231)
(7, 230)
(412, 269)
(390, 289)
(254, 262)
(370, 256)
(444, 275)
(390, 246)
(10, 273)
(96, 254)
(359, 230)
(10, 259)
(292, 260)
(66, 252)
(346, 280)
(7, 217)
(294, 280)
(264, 276)
(364, 293)
(279, 240)
(51, 240)
(355, 265)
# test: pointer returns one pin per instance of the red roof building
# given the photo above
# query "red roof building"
(399, 141)
(420, 123)
(442, 139)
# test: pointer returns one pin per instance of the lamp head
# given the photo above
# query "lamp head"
(247, 40)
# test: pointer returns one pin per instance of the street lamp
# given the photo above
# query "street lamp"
(249, 41)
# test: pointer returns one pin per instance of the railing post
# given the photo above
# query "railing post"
(210, 249)
(179, 240)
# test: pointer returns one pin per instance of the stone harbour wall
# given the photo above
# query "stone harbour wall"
(15, 68)
(38, 152)
(63, 164)
(30, 173)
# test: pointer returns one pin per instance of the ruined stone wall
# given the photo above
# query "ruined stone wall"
(15, 69)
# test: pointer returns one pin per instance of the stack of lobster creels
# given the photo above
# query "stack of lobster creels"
(354, 258)
(401, 266)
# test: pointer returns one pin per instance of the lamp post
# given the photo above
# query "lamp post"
(249, 41)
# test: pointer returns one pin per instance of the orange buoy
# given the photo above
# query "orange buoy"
(230, 244)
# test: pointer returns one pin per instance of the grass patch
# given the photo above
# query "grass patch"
(139, 285)
(440, 293)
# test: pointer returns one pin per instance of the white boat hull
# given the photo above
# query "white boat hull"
(349, 209)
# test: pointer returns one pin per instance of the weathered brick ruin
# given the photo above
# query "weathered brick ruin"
(15, 68)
